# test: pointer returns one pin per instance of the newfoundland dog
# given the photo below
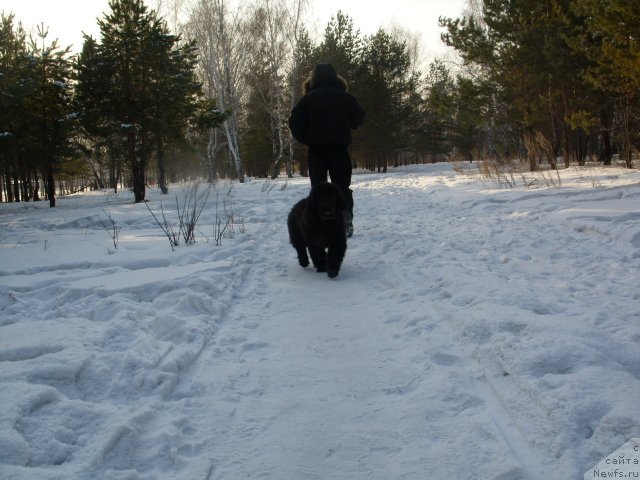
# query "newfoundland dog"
(316, 223)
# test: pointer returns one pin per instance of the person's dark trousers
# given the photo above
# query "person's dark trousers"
(334, 160)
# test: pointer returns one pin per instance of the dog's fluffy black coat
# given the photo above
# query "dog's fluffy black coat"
(316, 223)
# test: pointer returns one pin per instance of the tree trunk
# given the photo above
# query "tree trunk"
(278, 150)
(137, 174)
(97, 179)
(137, 170)
(212, 153)
(626, 120)
(51, 185)
(8, 186)
(231, 131)
(223, 45)
(604, 139)
(16, 186)
(36, 189)
(604, 151)
(162, 174)
(565, 147)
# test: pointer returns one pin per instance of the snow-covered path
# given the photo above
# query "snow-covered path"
(472, 333)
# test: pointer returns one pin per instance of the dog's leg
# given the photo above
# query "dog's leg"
(297, 241)
(319, 258)
(334, 259)
(301, 248)
(303, 258)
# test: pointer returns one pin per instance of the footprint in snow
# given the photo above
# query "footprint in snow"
(445, 359)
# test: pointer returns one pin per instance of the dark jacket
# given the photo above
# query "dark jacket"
(327, 113)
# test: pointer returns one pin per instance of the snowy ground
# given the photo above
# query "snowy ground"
(473, 333)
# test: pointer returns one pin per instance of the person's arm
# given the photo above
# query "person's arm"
(298, 121)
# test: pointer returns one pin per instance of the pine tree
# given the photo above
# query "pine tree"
(387, 87)
(174, 93)
(439, 106)
(257, 142)
(137, 87)
(17, 83)
(122, 57)
(610, 42)
(302, 65)
(342, 47)
(98, 131)
(521, 47)
(260, 136)
(51, 108)
(472, 117)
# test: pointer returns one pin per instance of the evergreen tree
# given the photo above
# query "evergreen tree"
(17, 84)
(137, 86)
(102, 138)
(438, 110)
(472, 117)
(342, 47)
(610, 42)
(257, 142)
(387, 87)
(521, 47)
(174, 93)
(51, 108)
(260, 136)
(303, 63)
(126, 34)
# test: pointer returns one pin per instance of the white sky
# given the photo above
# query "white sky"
(67, 19)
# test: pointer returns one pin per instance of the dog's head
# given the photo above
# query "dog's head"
(326, 202)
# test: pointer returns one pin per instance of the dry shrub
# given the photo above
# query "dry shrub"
(539, 149)
(508, 173)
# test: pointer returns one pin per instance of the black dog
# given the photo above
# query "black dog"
(316, 223)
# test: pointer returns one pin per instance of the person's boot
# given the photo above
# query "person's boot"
(348, 223)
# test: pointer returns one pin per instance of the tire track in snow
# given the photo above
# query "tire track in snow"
(500, 398)
(498, 402)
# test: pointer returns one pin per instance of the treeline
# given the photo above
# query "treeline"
(210, 97)
(552, 78)
(98, 119)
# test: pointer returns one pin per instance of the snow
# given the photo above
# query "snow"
(473, 332)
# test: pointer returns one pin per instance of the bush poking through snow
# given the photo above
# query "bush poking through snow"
(269, 185)
(507, 173)
(190, 212)
(111, 228)
(226, 223)
(167, 228)
(188, 215)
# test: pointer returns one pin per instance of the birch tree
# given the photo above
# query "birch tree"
(271, 50)
(275, 27)
(223, 50)
(297, 38)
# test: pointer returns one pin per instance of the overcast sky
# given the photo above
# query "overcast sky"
(67, 19)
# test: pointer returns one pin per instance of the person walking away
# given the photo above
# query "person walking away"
(322, 120)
